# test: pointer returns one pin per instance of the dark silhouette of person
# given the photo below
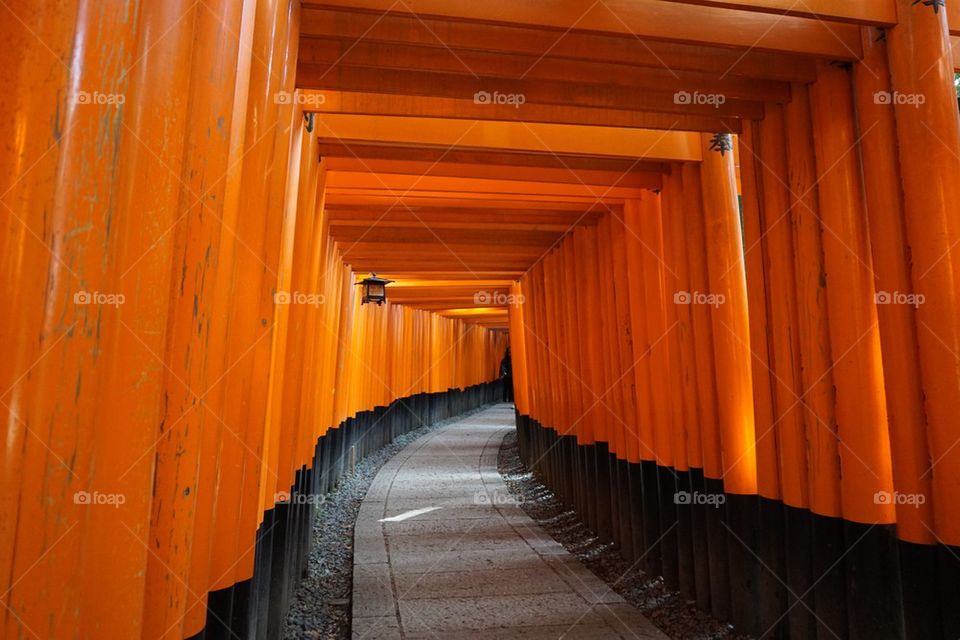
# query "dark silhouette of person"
(506, 374)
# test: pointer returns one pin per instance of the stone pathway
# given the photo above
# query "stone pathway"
(442, 551)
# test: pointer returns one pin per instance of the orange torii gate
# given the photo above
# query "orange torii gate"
(733, 324)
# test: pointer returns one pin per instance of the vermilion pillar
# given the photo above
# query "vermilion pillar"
(706, 472)
(820, 474)
(686, 432)
(731, 333)
(657, 297)
(806, 436)
(928, 136)
(633, 212)
(898, 333)
(861, 411)
(731, 343)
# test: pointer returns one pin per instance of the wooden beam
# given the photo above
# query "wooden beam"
(439, 155)
(416, 202)
(644, 19)
(470, 267)
(337, 77)
(431, 246)
(364, 103)
(626, 177)
(439, 304)
(544, 138)
(361, 196)
(482, 239)
(573, 45)
(475, 311)
(357, 229)
(326, 52)
(409, 183)
(455, 274)
(415, 284)
(460, 218)
(880, 13)
(439, 259)
(476, 314)
(434, 254)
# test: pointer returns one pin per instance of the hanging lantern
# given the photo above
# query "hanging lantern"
(374, 289)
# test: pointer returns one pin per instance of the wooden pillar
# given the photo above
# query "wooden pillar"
(570, 306)
(518, 347)
(896, 312)
(681, 298)
(597, 388)
(711, 571)
(586, 301)
(658, 332)
(874, 602)
(822, 468)
(610, 392)
(731, 334)
(928, 136)
(633, 212)
(630, 453)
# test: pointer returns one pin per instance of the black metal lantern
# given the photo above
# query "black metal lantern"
(374, 289)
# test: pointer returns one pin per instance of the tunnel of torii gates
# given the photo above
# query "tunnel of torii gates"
(719, 236)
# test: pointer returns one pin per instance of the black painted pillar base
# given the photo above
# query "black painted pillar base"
(637, 513)
(667, 483)
(830, 592)
(742, 521)
(720, 605)
(615, 532)
(685, 506)
(948, 560)
(650, 482)
(568, 453)
(771, 571)
(874, 601)
(602, 492)
(801, 603)
(699, 540)
(626, 510)
(919, 576)
(590, 466)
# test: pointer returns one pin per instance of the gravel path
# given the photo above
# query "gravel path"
(321, 606)
(442, 552)
(679, 619)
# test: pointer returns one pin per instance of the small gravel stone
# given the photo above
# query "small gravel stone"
(678, 618)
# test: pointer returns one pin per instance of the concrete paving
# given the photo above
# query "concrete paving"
(441, 550)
